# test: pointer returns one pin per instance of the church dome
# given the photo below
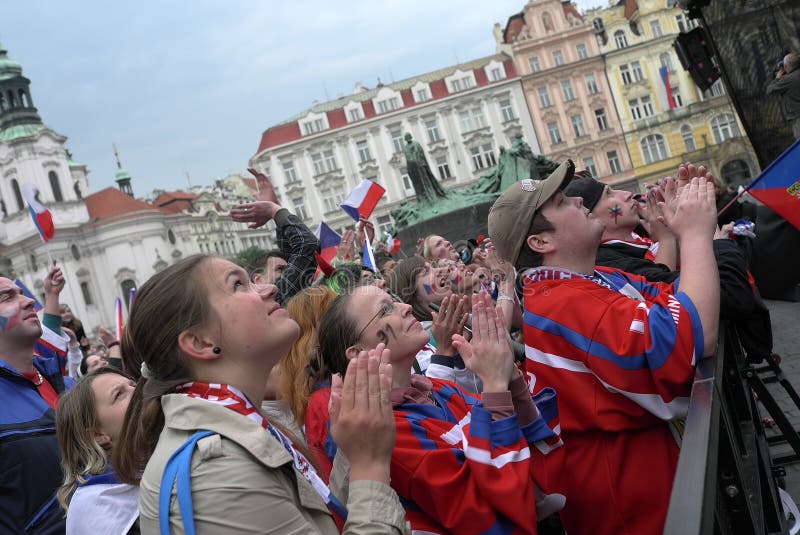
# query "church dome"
(8, 67)
(121, 174)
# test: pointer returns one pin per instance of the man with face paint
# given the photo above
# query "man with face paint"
(30, 382)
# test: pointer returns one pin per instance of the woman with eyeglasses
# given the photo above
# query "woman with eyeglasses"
(462, 463)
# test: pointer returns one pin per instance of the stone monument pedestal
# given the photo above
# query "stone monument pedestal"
(456, 226)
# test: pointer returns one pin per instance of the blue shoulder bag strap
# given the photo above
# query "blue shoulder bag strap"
(179, 467)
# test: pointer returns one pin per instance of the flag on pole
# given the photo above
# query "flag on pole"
(665, 90)
(328, 240)
(363, 199)
(118, 317)
(37, 306)
(778, 186)
(42, 219)
(367, 258)
(392, 244)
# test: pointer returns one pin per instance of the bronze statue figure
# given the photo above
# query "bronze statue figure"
(424, 183)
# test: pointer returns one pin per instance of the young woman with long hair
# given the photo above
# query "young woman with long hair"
(207, 340)
(88, 422)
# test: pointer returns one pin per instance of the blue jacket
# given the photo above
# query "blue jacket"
(30, 462)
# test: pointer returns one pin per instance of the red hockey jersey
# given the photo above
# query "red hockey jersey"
(620, 351)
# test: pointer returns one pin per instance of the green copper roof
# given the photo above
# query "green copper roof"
(20, 131)
(8, 67)
(121, 175)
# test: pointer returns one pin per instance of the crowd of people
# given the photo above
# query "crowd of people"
(538, 387)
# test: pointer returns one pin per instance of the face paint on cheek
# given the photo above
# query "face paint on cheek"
(615, 212)
(6, 324)
(427, 288)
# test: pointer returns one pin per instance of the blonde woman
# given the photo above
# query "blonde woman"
(88, 422)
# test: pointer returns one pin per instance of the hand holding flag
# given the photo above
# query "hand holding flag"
(328, 240)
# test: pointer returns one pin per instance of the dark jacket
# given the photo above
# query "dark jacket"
(30, 462)
(298, 244)
(738, 300)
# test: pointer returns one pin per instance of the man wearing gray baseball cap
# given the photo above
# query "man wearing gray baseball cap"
(619, 350)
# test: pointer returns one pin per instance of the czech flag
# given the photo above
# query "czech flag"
(37, 306)
(42, 219)
(328, 240)
(118, 317)
(665, 91)
(392, 244)
(367, 258)
(131, 295)
(363, 199)
(778, 186)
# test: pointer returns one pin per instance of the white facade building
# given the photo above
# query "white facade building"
(461, 115)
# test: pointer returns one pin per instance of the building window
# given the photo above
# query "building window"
(355, 114)
(638, 75)
(397, 140)
(577, 125)
(126, 286)
(533, 61)
(482, 157)
(547, 22)
(613, 162)
(717, 89)
(312, 127)
(300, 208)
(384, 222)
(316, 162)
(407, 186)
(461, 84)
(653, 148)
(582, 52)
(555, 133)
(472, 119)
(87, 293)
(363, 151)
(588, 164)
(558, 58)
(620, 40)
(724, 127)
(666, 61)
(332, 199)
(432, 127)
(736, 172)
(323, 162)
(443, 167)
(288, 170)
(684, 24)
(76, 253)
(423, 94)
(655, 29)
(55, 186)
(330, 161)
(566, 89)
(390, 104)
(591, 83)
(495, 74)
(647, 107)
(602, 120)
(506, 110)
(688, 138)
(636, 112)
(676, 97)
(625, 73)
(544, 97)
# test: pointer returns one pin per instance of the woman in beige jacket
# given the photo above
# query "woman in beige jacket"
(208, 340)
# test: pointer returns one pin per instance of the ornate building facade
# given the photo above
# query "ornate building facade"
(563, 76)
(636, 38)
(462, 115)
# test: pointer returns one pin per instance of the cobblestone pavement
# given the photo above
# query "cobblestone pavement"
(786, 343)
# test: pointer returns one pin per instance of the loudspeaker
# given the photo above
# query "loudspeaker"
(695, 56)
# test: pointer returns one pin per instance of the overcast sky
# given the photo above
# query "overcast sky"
(189, 86)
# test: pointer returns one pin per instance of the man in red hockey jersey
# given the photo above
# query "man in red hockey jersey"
(619, 350)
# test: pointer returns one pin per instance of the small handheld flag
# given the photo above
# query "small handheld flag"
(37, 306)
(363, 199)
(42, 219)
(131, 295)
(118, 317)
(392, 244)
(328, 240)
(367, 258)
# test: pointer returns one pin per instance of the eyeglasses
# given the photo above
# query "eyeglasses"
(386, 309)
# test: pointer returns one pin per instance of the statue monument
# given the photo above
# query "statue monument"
(435, 209)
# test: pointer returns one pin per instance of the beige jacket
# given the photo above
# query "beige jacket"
(243, 481)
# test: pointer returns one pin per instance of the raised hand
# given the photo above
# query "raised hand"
(346, 250)
(450, 320)
(265, 190)
(695, 210)
(362, 422)
(364, 228)
(54, 281)
(488, 354)
(105, 335)
(256, 213)
(687, 171)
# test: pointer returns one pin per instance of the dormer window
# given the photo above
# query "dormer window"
(313, 126)
(390, 104)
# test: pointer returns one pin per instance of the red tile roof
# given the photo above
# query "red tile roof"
(111, 202)
(174, 201)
